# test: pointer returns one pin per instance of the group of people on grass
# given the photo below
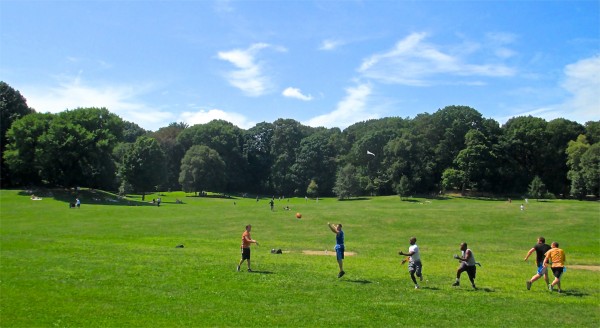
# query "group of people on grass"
(546, 255)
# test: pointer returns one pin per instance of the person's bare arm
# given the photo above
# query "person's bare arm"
(333, 227)
(529, 253)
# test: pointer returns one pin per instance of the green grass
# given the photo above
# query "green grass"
(114, 264)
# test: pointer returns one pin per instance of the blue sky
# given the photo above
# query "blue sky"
(323, 63)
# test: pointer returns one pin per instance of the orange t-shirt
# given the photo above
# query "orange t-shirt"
(246, 239)
(557, 257)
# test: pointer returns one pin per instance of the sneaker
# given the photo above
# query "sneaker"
(341, 274)
(550, 287)
(456, 283)
(238, 268)
(528, 285)
(559, 291)
(417, 286)
(249, 270)
(474, 287)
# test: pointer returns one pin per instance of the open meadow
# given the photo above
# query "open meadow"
(114, 263)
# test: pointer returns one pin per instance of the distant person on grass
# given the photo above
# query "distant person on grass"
(467, 263)
(245, 247)
(556, 257)
(339, 246)
(414, 261)
(540, 249)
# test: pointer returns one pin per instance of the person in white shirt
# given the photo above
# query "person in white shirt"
(414, 261)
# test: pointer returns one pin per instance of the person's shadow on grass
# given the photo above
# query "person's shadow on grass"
(261, 272)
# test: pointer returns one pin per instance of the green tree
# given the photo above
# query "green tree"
(560, 131)
(523, 148)
(13, 106)
(257, 151)
(474, 160)
(227, 140)
(403, 187)
(452, 179)
(316, 160)
(284, 146)
(575, 151)
(537, 188)
(313, 189)
(144, 165)
(202, 169)
(590, 169)
(23, 148)
(346, 183)
(174, 152)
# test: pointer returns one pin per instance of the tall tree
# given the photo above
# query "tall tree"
(590, 169)
(257, 150)
(474, 160)
(227, 140)
(13, 106)
(524, 146)
(560, 131)
(537, 188)
(202, 169)
(144, 165)
(284, 145)
(347, 183)
(316, 161)
(575, 151)
(174, 152)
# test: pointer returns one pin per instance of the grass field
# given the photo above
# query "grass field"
(114, 264)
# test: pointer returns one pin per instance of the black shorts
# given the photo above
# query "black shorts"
(245, 253)
(558, 272)
(471, 270)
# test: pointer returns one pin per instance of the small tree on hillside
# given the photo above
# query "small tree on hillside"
(346, 183)
(313, 189)
(403, 187)
(537, 188)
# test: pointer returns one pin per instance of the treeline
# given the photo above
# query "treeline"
(453, 148)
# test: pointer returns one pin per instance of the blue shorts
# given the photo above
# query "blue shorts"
(542, 270)
(339, 252)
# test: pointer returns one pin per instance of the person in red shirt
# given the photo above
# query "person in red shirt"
(245, 247)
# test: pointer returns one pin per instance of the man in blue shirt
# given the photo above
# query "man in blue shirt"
(339, 245)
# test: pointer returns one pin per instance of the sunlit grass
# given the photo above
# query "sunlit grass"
(112, 264)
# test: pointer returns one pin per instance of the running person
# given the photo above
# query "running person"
(540, 249)
(414, 261)
(467, 263)
(339, 246)
(245, 247)
(557, 257)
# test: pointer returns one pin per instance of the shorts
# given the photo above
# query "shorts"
(558, 271)
(471, 270)
(542, 270)
(339, 252)
(416, 267)
(245, 253)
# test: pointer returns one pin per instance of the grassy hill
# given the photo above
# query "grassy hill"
(113, 262)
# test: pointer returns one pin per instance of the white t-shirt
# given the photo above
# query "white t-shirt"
(416, 256)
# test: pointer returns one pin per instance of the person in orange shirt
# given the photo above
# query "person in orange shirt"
(245, 247)
(557, 258)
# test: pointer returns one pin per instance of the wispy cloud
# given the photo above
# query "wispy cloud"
(352, 109)
(329, 44)
(204, 116)
(415, 62)
(249, 76)
(120, 99)
(296, 93)
(581, 81)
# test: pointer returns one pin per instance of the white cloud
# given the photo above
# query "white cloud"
(204, 116)
(415, 62)
(71, 93)
(249, 76)
(296, 93)
(581, 80)
(328, 45)
(352, 109)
